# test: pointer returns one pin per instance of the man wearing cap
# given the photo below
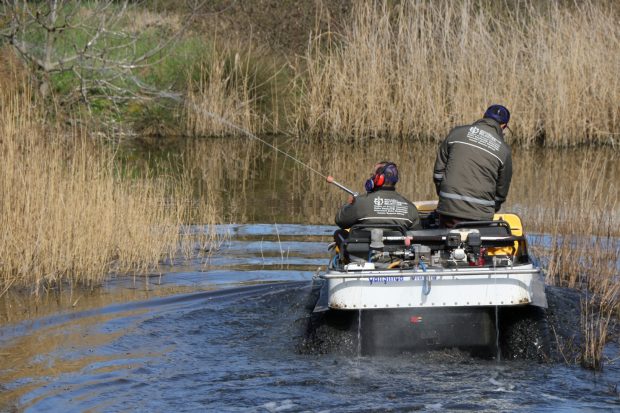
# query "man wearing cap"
(473, 169)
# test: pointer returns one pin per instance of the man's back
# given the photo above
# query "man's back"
(382, 206)
(473, 171)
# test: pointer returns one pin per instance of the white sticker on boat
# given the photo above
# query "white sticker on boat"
(421, 277)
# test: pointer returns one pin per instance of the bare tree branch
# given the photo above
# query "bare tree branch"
(95, 41)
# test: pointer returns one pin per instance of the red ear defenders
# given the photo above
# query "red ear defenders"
(378, 179)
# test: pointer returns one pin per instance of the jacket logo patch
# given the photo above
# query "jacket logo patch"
(389, 206)
(483, 138)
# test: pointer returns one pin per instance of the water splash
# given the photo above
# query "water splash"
(359, 334)
(498, 357)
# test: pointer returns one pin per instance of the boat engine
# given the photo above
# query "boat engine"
(463, 246)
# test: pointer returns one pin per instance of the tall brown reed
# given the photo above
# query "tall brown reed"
(66, 213)
(224, 92)
(415, 69)
(577, 211)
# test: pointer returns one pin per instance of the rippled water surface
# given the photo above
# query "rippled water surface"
(231, 344)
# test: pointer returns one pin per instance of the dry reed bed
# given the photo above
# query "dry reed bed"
(582, 222)
(230, 90)
(418, 68)
(66, 213)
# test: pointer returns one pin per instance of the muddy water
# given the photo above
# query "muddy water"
(233, 345)
(222, 332)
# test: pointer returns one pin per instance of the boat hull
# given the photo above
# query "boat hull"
(435, 288)
(414, 329)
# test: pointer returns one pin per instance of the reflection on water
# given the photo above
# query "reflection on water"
(232, 345)
(249, 182)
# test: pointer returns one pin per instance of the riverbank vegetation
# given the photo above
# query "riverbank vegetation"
(71, 211)
(398, 70)
(579, 242)
(420, 68)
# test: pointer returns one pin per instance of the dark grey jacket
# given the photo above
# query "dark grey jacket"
(382, 206)
(473, 171)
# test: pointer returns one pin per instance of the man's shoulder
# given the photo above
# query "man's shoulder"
(399, 197)
(458, 131)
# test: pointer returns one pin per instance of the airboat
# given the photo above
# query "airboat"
(472, 286)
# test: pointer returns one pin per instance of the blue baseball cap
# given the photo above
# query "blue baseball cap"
(498, 113)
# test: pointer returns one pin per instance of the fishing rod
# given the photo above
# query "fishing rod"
(330, 179)
(179, 98)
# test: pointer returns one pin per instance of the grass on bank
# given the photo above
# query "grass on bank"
(105, 62)
(232, 88)
(417, 69)
(395, 70)
(67, 213)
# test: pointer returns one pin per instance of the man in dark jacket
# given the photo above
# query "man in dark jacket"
(381, 204)
(473, 169)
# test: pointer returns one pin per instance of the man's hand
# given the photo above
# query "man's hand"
(351, 200)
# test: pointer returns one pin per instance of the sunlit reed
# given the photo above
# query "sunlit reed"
(68, 214)
(417, 69)
(223, 92)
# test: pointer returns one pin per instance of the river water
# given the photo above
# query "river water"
(233, 344)
(224, 331)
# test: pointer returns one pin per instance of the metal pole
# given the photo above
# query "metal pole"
(331, 180)
(440, 273)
